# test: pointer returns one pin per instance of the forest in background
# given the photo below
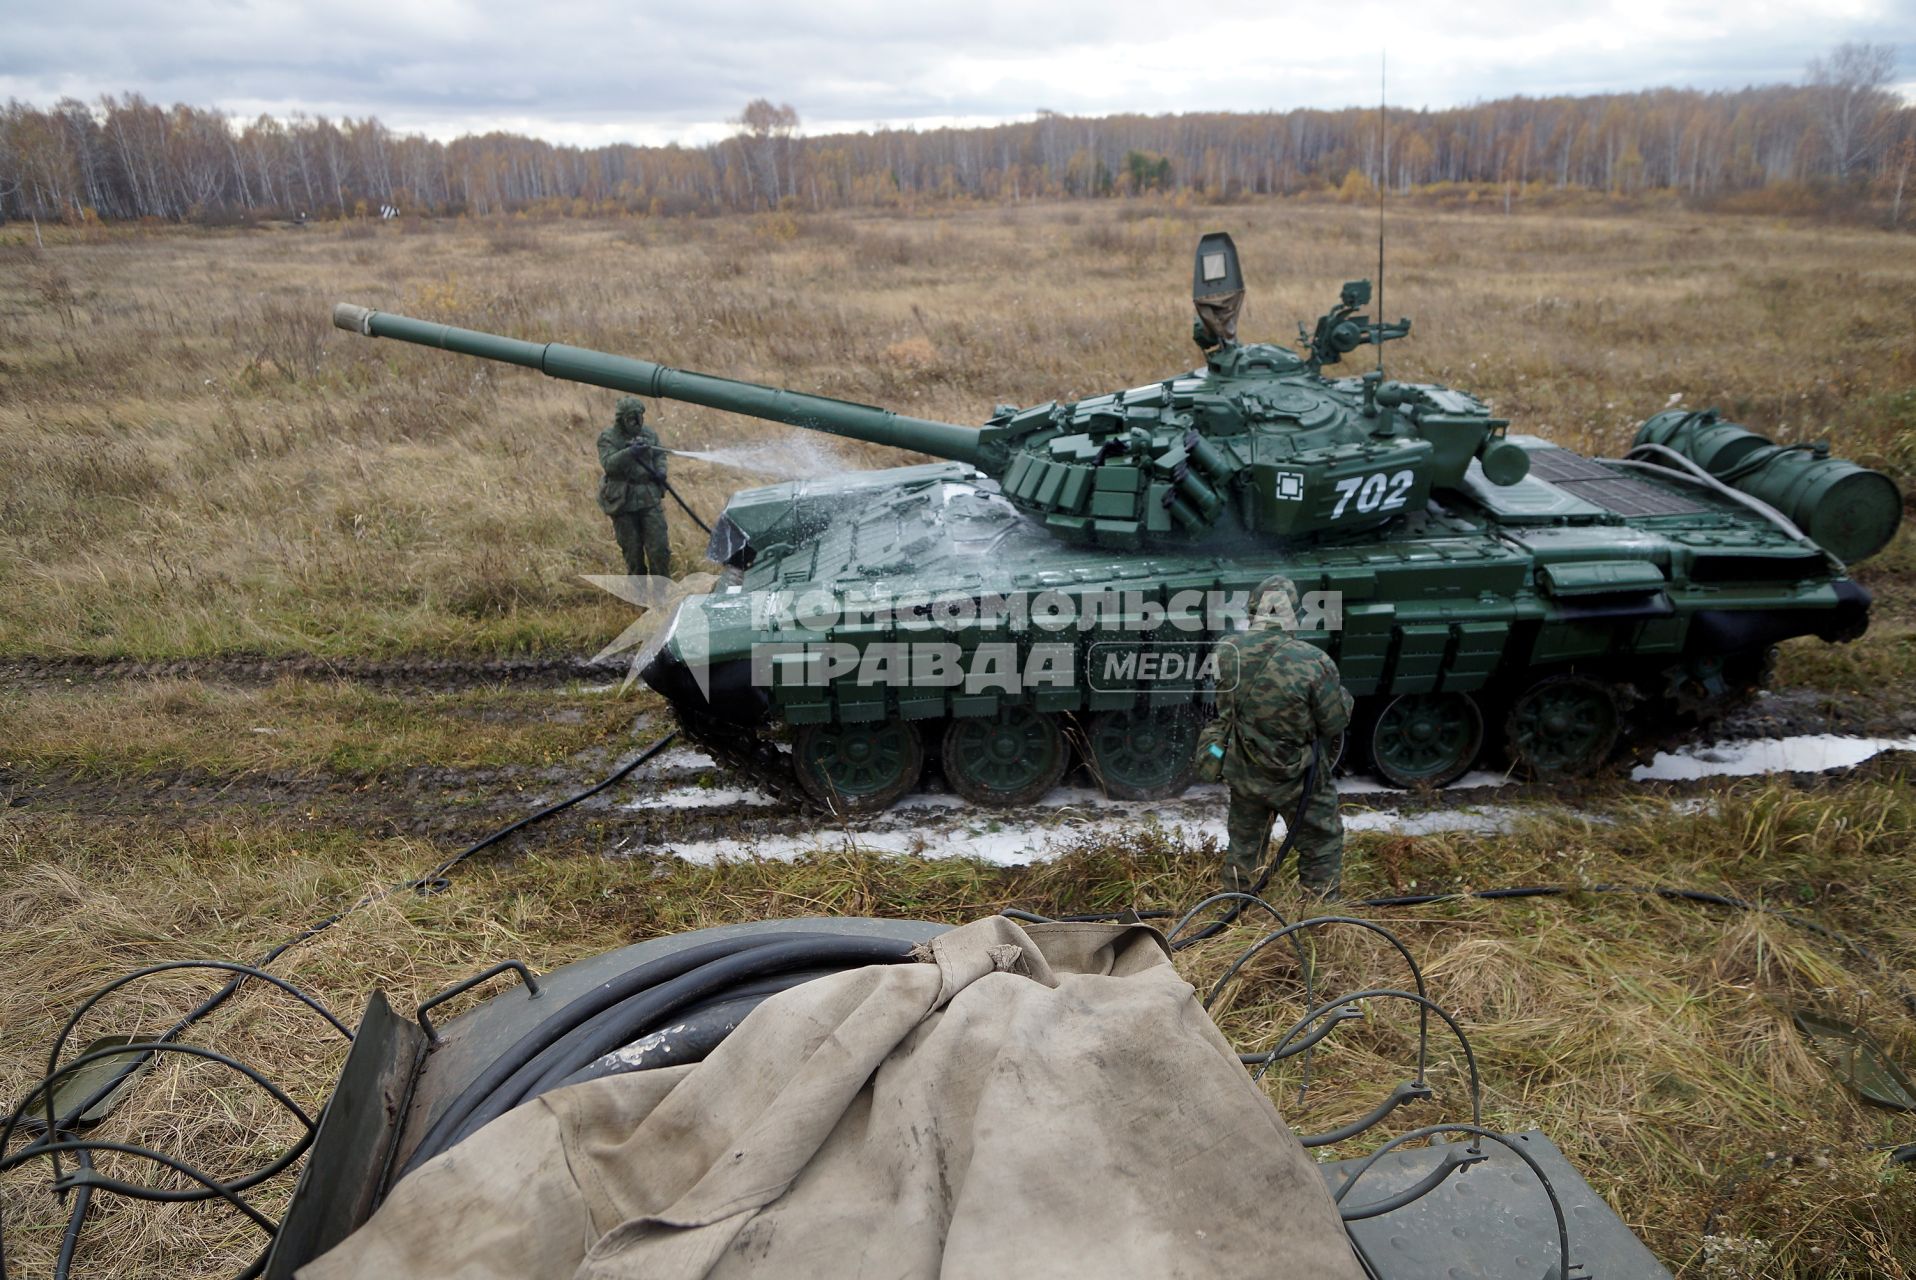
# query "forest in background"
(1839, 143)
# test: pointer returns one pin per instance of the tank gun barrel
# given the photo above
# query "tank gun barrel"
(644, 378)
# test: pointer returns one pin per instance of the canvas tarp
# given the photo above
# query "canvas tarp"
(1038, 1101)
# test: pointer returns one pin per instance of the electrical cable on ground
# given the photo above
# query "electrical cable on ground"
(53, 1140)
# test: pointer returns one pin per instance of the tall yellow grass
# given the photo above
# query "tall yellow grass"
(195, 461)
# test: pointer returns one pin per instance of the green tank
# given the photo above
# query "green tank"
(1052, 589)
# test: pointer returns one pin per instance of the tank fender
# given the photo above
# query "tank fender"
(1720, 631)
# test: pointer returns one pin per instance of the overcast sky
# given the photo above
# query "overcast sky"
(591, 71)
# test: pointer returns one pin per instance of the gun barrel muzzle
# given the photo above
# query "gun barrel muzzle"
(358, 319)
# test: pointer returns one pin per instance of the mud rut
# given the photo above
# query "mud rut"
(684, 800)
(423, 675)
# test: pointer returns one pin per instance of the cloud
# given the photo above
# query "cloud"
(591, 71)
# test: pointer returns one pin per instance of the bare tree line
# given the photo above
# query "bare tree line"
(1841, 131)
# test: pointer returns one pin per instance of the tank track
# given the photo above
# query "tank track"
(744, 754)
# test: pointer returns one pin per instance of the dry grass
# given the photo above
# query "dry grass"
(300, 727)
(198, 463)
(1650, 1039)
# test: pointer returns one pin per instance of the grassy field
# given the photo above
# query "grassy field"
(198, 463)
(199, 466)
(1651, 1040)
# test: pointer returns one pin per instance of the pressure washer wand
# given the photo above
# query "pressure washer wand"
(667, 486)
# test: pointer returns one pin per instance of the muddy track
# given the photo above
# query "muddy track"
(433, 675)
(684, 798)
(685, 802)
(1775, 714)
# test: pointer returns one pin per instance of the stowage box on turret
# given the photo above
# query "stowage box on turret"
(1055, 587)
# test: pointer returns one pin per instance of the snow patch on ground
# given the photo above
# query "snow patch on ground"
(960, 831)
(684, 758)
(702, 798)
(1476, 778)
(941, 825)
(1487, 818)
(1003, 843)
(1805, 753)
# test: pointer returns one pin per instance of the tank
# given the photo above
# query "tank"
(1052, 588)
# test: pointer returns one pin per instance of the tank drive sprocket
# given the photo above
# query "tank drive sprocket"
(764, 765)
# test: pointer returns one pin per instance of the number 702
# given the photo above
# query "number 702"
(1374, 492)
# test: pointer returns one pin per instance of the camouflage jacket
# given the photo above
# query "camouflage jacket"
(1285, 697)
(628, 486)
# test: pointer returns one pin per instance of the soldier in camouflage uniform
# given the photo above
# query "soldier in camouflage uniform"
(1285, 699)
(633, 491)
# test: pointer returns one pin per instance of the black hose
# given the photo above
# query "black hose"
(667, 486)
(144, 1051)
(433, 880)
(1236, 909)
(70, 1240)
(213, 1185)
(692, 1035)
(601, 997)
(621, 1009)
(642, 1013)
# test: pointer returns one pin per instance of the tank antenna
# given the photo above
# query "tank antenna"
(1383, 176)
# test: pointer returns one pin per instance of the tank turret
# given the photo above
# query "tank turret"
(1256, 442)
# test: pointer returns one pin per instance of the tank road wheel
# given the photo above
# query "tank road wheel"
(1005, 760)
(1425, 739)
(1140, 754)
(852, 767)
(1563, 727)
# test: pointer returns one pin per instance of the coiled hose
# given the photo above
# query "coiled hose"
(633, 1005)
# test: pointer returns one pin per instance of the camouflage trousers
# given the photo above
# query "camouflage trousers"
(1320, 835)
(642, 539)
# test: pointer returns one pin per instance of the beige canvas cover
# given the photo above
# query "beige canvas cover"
(1042, 1101)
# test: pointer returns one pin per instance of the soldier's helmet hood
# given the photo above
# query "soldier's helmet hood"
(629, 412)
(1274, 603)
